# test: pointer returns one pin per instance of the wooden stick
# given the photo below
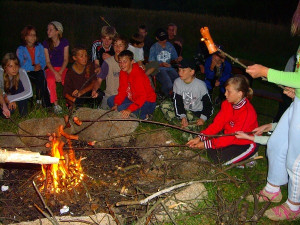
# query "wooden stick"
(22, 156)
(166, 190)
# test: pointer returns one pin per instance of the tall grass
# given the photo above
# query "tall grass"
(259, 42)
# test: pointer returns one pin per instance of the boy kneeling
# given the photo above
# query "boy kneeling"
(79, 81)
(135, 93)
(191, 94)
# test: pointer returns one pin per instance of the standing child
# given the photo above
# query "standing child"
(236, 114)
(191, 94)
(283, 147)
(102, 49)
(57, 57)
(135, 94)
(15, 84)
(79, 81)
(110, 71)
(32, 59)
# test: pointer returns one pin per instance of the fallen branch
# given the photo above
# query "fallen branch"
(144, 201)
(22, 156)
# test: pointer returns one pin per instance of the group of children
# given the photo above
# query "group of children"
(128, 69)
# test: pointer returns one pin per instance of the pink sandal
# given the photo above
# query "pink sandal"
(282, 212)
(265, 196)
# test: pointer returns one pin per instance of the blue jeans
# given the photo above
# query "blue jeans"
(147, 108)
(166, 78)
(284, 152)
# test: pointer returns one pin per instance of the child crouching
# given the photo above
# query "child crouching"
(135, 94)
(80, 80)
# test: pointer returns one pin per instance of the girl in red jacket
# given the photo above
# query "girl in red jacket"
(236, 114)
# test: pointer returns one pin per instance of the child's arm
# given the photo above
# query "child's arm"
(96, 86)
(49, 65)
(5, 109)
(66, 60)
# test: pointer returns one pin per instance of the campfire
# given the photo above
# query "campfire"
(68, 173)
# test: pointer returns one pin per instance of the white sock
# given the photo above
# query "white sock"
(292, 206)
(272, 189)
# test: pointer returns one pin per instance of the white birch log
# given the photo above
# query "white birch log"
(22, 156)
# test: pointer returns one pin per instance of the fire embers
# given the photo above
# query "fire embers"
(68, 173)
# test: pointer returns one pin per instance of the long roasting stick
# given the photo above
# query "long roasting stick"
(212, 48)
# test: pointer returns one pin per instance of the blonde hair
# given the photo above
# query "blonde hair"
(295, 27)
(108, 31)
(241, 83)
(15, 79)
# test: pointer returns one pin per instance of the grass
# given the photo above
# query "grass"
(259, 42)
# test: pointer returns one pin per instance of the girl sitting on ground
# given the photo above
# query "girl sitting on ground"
(32, 59)
(236, 114)
(15, 84)
(57, 56)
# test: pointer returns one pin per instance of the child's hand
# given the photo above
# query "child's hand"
(179, 59)
(75, 93)
(164, 64)
(217, 84)
(97, 70)
(12, 105)
(257, 70)
(184, 122)
(263, 128)
(115, 107)
(290, 92)
(105, 55)
(57, 76)
(242, 135)
(200, 122)
(125, 113)
(5, 111)
(94, 94)
(193, 142)
(37, 67)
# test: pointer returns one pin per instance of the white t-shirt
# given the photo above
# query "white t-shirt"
(138, 53)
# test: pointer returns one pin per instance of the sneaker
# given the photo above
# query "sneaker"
(39, 102)
(282, 212)
(57, 109)
(265, 196)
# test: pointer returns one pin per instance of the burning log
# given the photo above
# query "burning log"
(22, 156)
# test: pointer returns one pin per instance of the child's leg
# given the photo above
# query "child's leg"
(125, 104)
(165, 81)
(51, 82)
(42, 88)
(22, 106)
(277, 150)
(293, 154)
(232, 154)
(147, 109)
(173, 75)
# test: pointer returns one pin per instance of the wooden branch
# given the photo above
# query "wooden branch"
(22, 156)
(144, 201)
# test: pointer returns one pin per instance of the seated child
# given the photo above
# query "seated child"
(217, 72)
(15, 84)
(56, 50)
(236, 114)
(102, 49)
(110, 71)
(32, 58)
(79, 81)
(135, 94)
(136, 44)
(164, 52)
(191, 94)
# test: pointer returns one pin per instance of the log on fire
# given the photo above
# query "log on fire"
(22, 156)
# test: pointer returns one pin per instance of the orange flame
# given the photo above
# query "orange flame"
(65, 175)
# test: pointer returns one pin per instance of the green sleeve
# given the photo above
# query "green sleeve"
(289, 79)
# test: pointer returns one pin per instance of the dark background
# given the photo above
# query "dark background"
(271, 11)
